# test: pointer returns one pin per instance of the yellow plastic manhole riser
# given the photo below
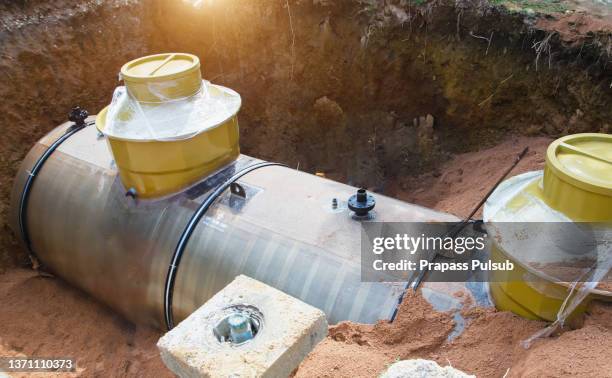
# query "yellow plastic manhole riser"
(156, 168)
(577, 181)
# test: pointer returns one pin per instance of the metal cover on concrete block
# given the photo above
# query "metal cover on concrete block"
(285, 328)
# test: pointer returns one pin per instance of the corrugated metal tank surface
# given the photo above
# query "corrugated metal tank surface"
(118, 249)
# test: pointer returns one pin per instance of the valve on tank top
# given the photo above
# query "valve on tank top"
(361, 203)
(78, 116)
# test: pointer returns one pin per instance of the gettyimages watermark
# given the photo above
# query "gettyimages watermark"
(530, 251)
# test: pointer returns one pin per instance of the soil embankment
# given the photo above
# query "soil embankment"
(367, 91)
(489, 347)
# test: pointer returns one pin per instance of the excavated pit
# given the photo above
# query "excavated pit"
(371, 93)
(366, 92)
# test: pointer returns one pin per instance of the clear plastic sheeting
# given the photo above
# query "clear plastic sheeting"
(544, 240)
(170, 119)
(455, 298)
(577, 293)
(549, 244)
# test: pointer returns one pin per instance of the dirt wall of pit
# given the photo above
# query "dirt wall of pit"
(364, 91)
(54, 55)
(345, 87)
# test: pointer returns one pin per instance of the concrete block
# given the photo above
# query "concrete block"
(419, 368)
(289, 330)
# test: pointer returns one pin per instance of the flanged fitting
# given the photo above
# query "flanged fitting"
(361, 203)
(78, 116)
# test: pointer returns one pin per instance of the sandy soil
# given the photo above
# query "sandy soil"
(460, 184)
(42, 316)
(489, 347)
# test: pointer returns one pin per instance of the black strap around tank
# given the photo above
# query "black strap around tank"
(78, 116)
(191, 225)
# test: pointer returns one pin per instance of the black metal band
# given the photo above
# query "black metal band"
(191, 225)
(27, 188)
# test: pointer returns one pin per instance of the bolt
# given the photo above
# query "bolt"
(131, 193)
(240, 328)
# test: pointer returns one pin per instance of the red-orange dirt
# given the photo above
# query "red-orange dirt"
(41, 316)
(489, 347)
(464, 180)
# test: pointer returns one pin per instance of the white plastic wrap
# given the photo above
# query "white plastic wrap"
(170, 119)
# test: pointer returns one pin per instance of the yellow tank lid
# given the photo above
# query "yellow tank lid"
(167, 128)
(160, 77)
(584, 160)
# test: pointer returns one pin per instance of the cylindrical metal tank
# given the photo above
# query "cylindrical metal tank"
(285, 233)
